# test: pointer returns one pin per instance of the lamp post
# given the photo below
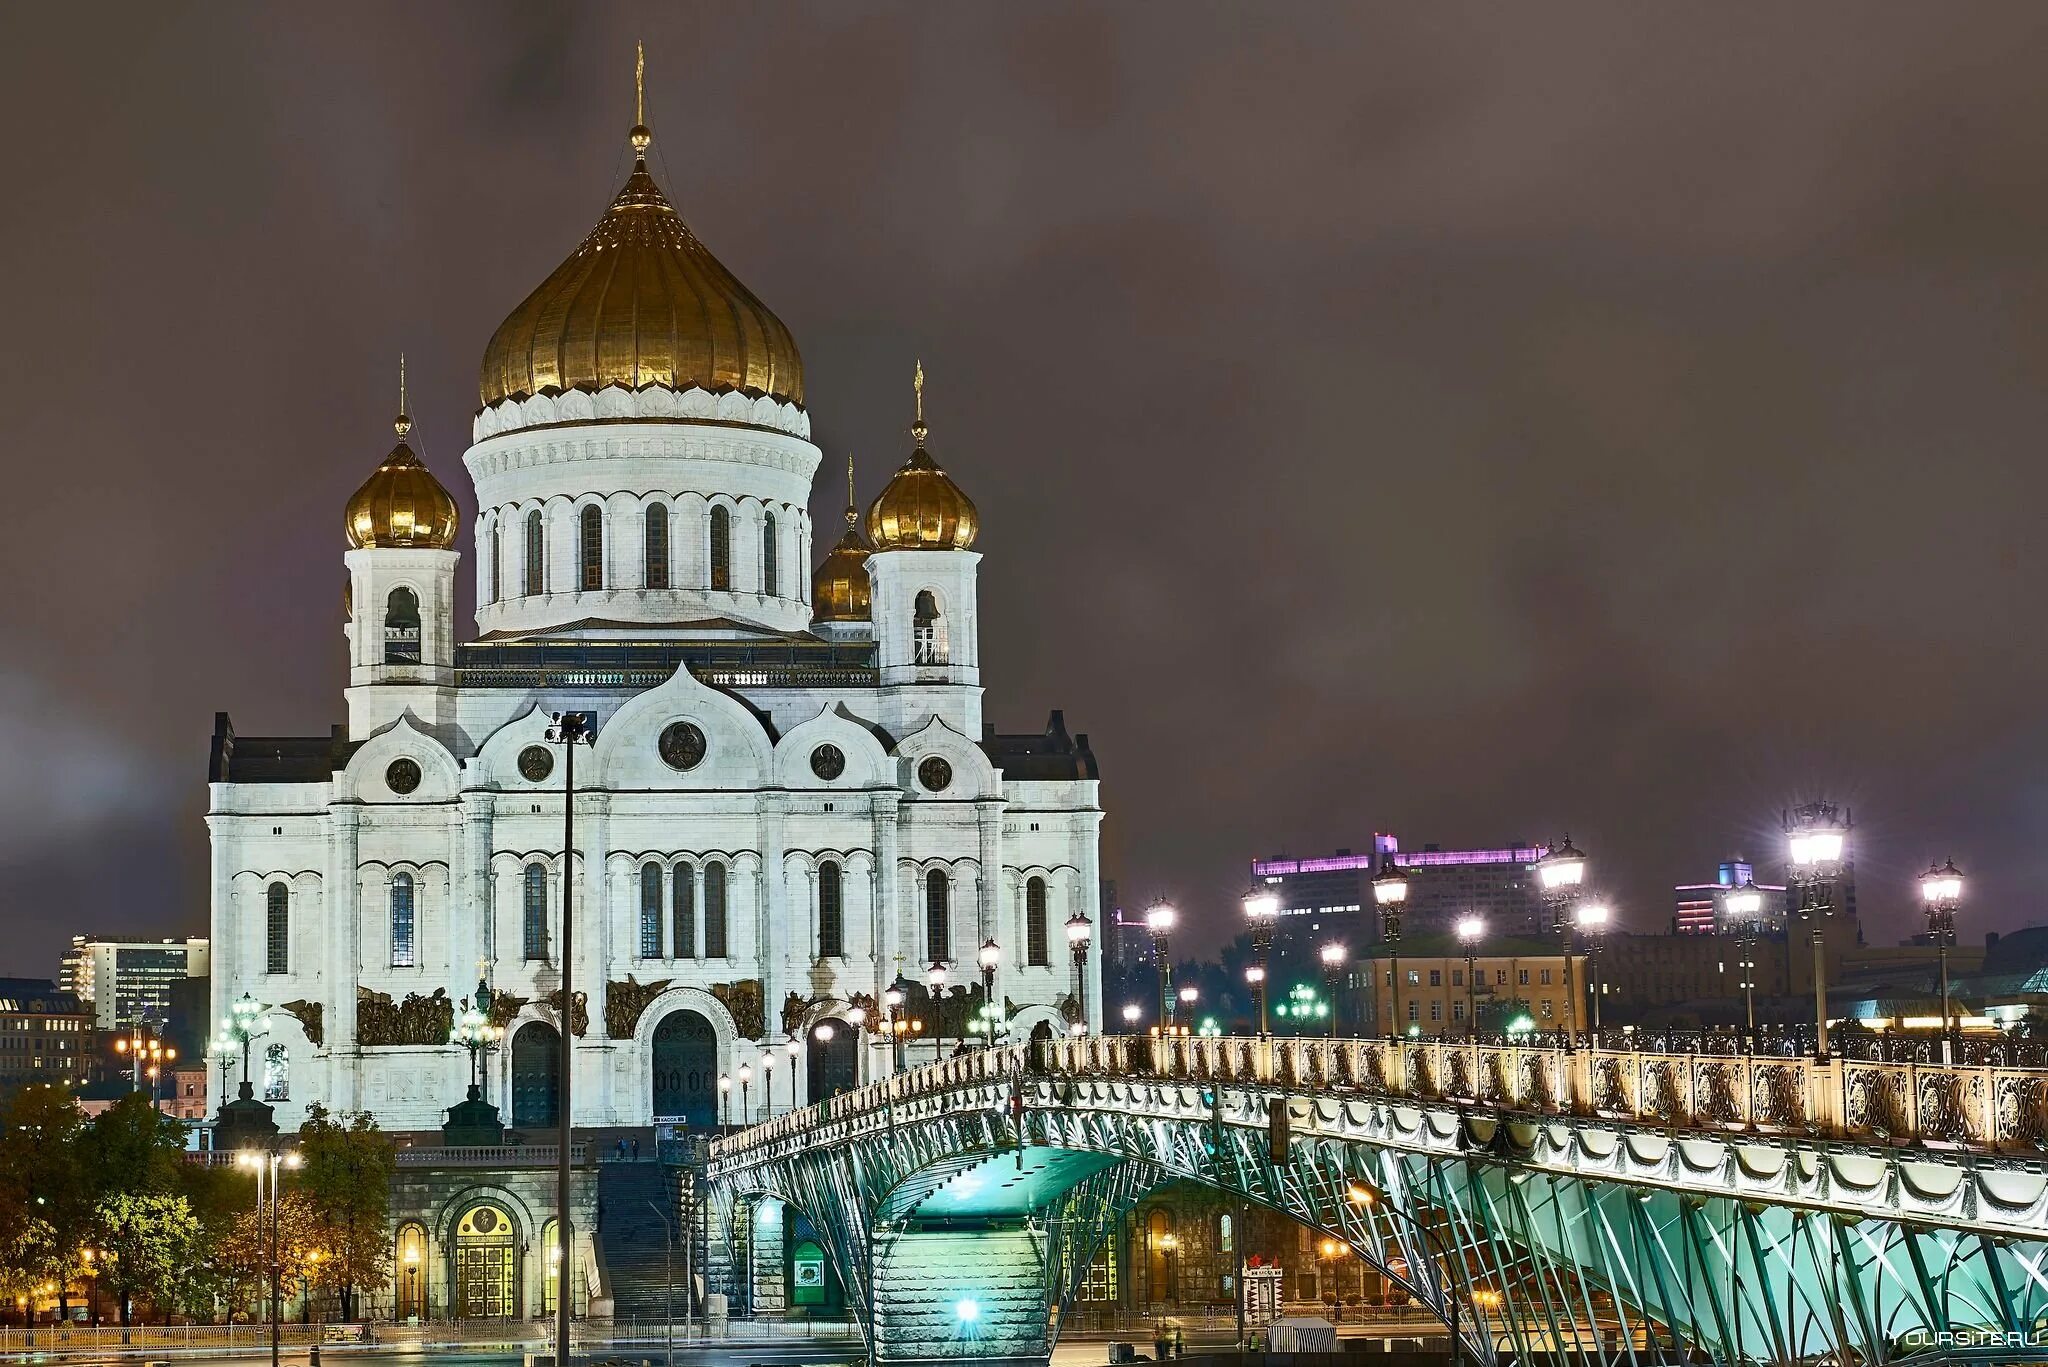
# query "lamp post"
(823, 1034)
(569, 730)
(1079, 931)
(1471, 929)
(767, 1083)
(474, 1032)
(1817, 841)
(267, 1165)
(222, 1051)
(1941, 892)
(934, 984)
(893, 1000)
(1365, 1198)
(793, 1048)
(1186, 997)
(1742, 906)
(988, 956)
(1159, 922)
(1262, 909)
(1560, 874)
(1332, 955)
(244, 1024)
(1131, 1015)
(746, 1105)
(1390, 894)
(1593, 920)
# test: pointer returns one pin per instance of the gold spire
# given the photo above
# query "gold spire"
(640, 137)
(918, 429)
(840, 591)
(852, 513)
(404, 424)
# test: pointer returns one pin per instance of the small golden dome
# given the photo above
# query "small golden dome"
(921, 508)
(840, 591)
(402, 504)
(641, 302)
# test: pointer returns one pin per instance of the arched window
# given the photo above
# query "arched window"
(277, 928)
(714, 911)
(831, 912)
(769, 578)
(402, 951)
(721, 549)
(1035, 952)
(650, 911)
(938, 916)
(590, 553)
(683, 912)
(277, 1073)
(536, 912)
(402, 627)
(497, 560)
(536, 556)
(927, 631)
(656, 563)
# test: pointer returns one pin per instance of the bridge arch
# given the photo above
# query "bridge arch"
(1537, 1231)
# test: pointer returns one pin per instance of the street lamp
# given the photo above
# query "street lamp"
(1743, 907)
(767, 1083)
(1390, 893)
(1817, 841)
(1131, 1014)
(1079, 930)
(1941, 892)
(1560, 874)
(935, 983)
(1471, 929)
(1159, 920)
(1594, 920)
(266, 1165)
(474, 1032)
(892, 998)
(792, 1049)
(1332, 955)
(1364, 1199)
(1262, 909)
(1187, 997)
(567, 729)
(989, 955)
(244, 1024)
(724, 1099)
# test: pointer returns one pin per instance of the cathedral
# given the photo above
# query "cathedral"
(791, 809)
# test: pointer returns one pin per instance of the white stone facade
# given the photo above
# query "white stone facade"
(399, 855)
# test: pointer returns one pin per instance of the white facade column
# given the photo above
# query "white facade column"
(344, 914)
(594, 935)
(472, 899)
(888, 944)
(772, 907)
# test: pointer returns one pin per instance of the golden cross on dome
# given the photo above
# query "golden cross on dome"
(640, 83)
(404, 423)
(917, 383)
(851, 516)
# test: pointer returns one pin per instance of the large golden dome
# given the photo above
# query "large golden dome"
(840, 590)
(921, 508)
(402, 504)
(641, 302)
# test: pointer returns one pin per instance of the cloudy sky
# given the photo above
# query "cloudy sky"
(1472, 421)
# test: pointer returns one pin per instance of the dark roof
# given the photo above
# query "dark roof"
(38, 997)
(274, 759)
(1051, 756)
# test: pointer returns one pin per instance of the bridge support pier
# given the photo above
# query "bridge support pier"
(947, 1295)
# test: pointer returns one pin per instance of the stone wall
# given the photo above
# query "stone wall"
(949, 1295)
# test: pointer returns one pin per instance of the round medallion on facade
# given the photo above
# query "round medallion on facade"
(401, 776)
(935, 774)
(682, 745)
(828, 762)
(483, 1220)
(536, 762)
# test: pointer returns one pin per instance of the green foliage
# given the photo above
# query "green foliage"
(150, 1243)
(349, 1164)
(131, 1147)
(46, 1197)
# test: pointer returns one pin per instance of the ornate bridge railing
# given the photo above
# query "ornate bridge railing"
(1998, 1110)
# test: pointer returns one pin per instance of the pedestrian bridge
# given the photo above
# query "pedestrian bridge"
(1597, 1203)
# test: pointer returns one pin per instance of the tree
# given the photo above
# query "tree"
(45, 1197)
(349, 1164)
(131, 1148)
(150, 1242)
(243, 1254)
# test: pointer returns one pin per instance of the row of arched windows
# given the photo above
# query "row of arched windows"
(681, 903)
(938, 920)
(655, 559)
(403, 920)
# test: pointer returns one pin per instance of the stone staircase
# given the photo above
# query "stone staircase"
(636, 1248)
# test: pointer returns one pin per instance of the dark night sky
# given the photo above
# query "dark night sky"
(1473, 421)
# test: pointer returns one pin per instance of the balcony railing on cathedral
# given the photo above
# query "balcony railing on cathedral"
(645, 664)
(1980, 1108)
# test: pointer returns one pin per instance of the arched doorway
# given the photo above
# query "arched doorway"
(536, 1075)
(686, 1070)
(834, 1059)
(412, 1271)
(486, 1263)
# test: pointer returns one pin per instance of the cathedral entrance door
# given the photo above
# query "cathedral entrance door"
(686, 1070)
(835, 1061)
(536, 1075)
(486, 1265)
